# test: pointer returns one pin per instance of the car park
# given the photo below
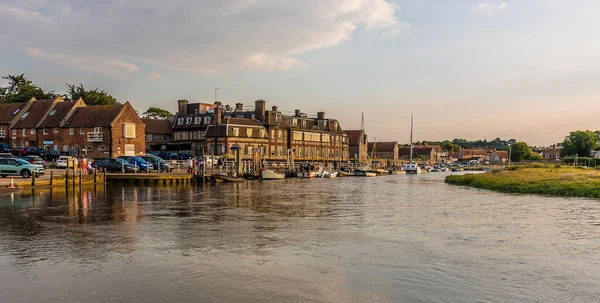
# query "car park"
(139, 162)
(158, 163)
(114, 165)
(19, 167)
(18, 151)
(34, 160)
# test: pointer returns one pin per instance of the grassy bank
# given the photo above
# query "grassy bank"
(561, 181)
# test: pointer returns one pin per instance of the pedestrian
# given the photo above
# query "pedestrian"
(75, 163)
(220, 162)
(194, 165)
(200, 165)
(83, 165)
(92, 165)
(189, 165)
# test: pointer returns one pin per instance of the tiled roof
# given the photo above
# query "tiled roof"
(404, 151)
(353, 136)
(34, 114)
(383, 146)
(502, 154)
(246, 122)
(7, 111)
(60, 110)
(92, 116)
(158, 126)
(210, 131)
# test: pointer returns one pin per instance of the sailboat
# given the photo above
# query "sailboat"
(410, 167)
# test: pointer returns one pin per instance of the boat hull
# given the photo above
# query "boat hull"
(330, 174)
(221, 178)
(397, 172)
(345, 174)
(271, 175)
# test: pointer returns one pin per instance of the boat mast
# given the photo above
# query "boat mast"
(362, 135)
(411, 139)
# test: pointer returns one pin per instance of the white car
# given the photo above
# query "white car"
(61, 162)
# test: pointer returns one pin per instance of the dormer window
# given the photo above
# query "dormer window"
(188, 121)
(52, 112)
(197, 120)
(18, 109)
(25, 115)
(179, 121)
(206, 120)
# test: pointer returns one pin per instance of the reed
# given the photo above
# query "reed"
(549, 180)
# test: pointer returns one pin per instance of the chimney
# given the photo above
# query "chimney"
(239, 107)
(259, 110)
(274, 108)
(297, 113)
(321, 115)
(182, 107)
(218, 112)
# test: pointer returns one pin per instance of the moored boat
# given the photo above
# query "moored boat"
(271, 175)
(342, 173)
(364, 173)
(310, 171)
(330, 174)
(380, 171)
(412, 168)
(397, 172)
(224, 178)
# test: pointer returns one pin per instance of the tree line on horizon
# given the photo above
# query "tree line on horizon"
(20, 89)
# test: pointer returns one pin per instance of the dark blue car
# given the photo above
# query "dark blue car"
(139, 162)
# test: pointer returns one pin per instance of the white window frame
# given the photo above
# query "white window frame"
(235, 131)
(71, 131)
(206, 119)
(56, 130)
(32, 131)
(24, 131)
(45, 131)
(98, 129)
(248, 132)
(197, 120)
(81, 130)
(188, 120)
(179, 121)
(14, 132)
(130, 136)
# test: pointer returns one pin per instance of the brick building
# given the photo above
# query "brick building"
(158, 133)
(9, 114)
(49, 134)
(386, 153)
(357, 145)
(104, 131)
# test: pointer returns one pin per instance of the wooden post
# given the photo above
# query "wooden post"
(32, 179)
(94, 177)
(51, 177)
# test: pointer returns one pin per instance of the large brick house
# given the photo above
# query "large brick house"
(498, 157)
(49, 134)
(104, 131)
(428, 154)
(357, 145)
(9, 114)
(24, 130)
(385, 152)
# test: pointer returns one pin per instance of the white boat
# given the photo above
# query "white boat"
(397, 172)
(412, 168)
(271, 175)
(310, 171)
(330, 174)
(345, 173)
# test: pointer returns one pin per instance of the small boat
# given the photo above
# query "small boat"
(364, 173)
(342, 173)
(412, 168)
(397, 172)
(330, 174)
(380, 171)
(224, 178)
(310, 171)
(271, 175)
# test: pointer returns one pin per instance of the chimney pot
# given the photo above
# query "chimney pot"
(259, 110)
(182, 107)
(297, 113)
(274, 108)
(321, 115)
(239, 107)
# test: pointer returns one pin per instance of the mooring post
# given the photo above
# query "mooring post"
(51, 178)
(33, 180)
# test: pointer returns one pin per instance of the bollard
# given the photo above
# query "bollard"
(32, 179)
(12, 183)
(51, 177)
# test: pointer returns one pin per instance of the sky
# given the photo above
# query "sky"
(523, 69)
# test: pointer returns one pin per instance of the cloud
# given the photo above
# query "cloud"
(114, 68)
(199, 36)
(154, 76)
(490, 7)
(23, 15)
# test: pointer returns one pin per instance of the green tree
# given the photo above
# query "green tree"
(90, 97)
(520, 151)
(157, 113)
(449, 146)
(21, 89)
(580, 143)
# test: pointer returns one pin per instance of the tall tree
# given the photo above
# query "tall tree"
(580, 143)
(21, 89)
(90, 97)
(449, 146)
(520, 151)
(157, 113)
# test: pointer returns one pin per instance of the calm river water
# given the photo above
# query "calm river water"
(384, 239)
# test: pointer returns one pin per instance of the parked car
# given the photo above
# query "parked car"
(34, 160)
(168, 155)
(18, 151)
(139, 162)
(36, 151)
(158, 163)
(54, 155)
(19, 167)
(184, 156)
(114, 165)
(61, 162)
(4, 148)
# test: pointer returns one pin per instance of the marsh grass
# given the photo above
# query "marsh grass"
(552, 180)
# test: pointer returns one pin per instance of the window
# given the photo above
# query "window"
(197, 120)
(557, 155)
(547, 156)
(294, 122)
(56, 130)
(18, 109)
(277, 118)
(206, 120)
(32, 131)
(248, 132)
(25, 115)
(235, 131)
(272, 134)
(249, 150)
(23, 131)
(14, 132)
(89, 148)
(129, 149)
(129, 130)
(81, 130)
(179, 121)
(188, 121)
(52, 112)
(97, 129)
(14, 144)
(71, 131)
(279, 134)
(240, 116)
(261, 133)
(325, 138)
(297, 136)
(45, 131)
(101, 148)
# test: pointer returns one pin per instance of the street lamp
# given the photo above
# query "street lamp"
(509, 153)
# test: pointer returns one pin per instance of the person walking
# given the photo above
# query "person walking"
(189, 165)
(84, 165)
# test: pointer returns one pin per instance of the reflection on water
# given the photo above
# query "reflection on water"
(384, 239)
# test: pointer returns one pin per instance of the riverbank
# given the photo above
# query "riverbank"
(562, 181)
